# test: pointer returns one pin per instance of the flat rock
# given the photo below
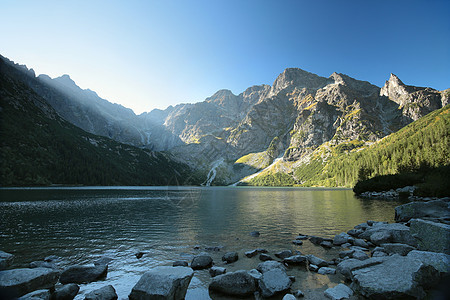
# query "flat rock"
(347, 266)
(440, 261)
(326, 271)
(105, 293)
(396, 277)
(65, 292)
(201, 262)
(37, 295)
(163, 283)
(18, 282)
(273, 282)
(255, 252)
(431, 236)
(414, 210)
(401, 249)
(316, 261)
(339, 292)
(230, 257)
(270, 265)
(295, 260)
(216, 271)
(6, 260)
(83, 274)
(237, 284)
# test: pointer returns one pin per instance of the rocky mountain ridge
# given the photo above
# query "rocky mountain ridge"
(238, 135)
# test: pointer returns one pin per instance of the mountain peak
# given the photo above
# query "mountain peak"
(393, 88)
(296, 77)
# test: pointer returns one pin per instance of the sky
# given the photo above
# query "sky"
(152, 54)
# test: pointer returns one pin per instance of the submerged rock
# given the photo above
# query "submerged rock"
(83, 274)
(255, 233)
(431, 236)
(105, 293)
(396, 277)
(216, 271)
(65, 292)
(163, 283)
(339, 292)
(230, 257)
(18, 282)
(238, 284)
(6, 260)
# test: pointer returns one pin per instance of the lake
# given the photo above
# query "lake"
(80, 225)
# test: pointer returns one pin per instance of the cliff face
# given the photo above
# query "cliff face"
(289, 120)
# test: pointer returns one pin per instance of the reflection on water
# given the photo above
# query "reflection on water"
(81, 224)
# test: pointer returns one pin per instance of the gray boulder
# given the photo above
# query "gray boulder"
(105, 260)
(295, 260)
(355, 232)
(340, 239)
(163, 283)
(65, 292)
(237, 284)
(284, 254)
(326, 244)
(389, 233)
(346, 253)
(289, 297)
(6, 260)
(255, 274)
(270, 265)
(105, 293)
(83, 274)
(341, 291)
(326, 271)
(360, 243)
(316, 261)
(201, 262)
(396, 277)
(439, 261)
(301, 237)
(316, 240)
(37, 295)
(413, 210)
(230, 257)
(18, 282)
(362, 226)
(347, 266)
(216, 271)
(273, 282)
(431, 236)
(401, 249)
(42, 264)
(358, 254)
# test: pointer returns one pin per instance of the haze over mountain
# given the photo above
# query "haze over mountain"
(228, 137)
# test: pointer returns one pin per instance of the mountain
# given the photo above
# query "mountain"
(39, 147)
(262, 131)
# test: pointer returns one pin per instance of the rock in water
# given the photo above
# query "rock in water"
(326, 271)
(37, 295)
(295, 260)
(255, 233)
(18, 282)
(339, 292)
(316, 261)
(397, 277)
(216, 271)
(105, 293)
(66, 292)
(83, 274)
(6, 260)
(180, 263)
(270, 265)
(238, 284)
(163, 283)
(201, 262)
(274, 281)
(230, 257)
(341, 238)
(284, 254)
(431, 236)
(265, 257)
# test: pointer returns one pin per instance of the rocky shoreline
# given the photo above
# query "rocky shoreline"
(375, 260)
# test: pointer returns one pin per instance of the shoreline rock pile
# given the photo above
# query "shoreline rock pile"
(377, 260)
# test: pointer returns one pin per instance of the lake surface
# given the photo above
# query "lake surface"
(83, 224)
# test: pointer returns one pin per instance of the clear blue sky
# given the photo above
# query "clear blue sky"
(151, 54)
